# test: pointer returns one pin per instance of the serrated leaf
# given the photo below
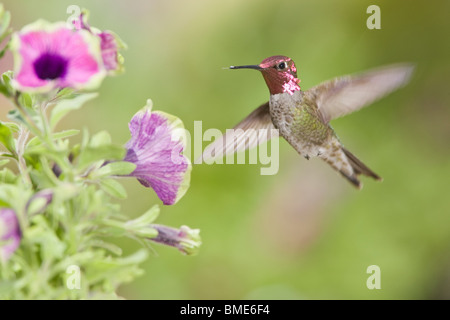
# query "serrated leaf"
(66, 105)
(116, 168)
(114, 188)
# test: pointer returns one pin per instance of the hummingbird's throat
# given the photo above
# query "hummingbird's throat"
(287, 83)
(292, 86)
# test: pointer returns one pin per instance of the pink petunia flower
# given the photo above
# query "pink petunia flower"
(10, 234)
(48, 56)
(156, 147)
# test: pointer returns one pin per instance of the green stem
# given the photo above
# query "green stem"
(29, 122)
(23, 169)
(65, 164)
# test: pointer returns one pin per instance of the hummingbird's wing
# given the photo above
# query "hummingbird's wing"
(255, 129)
(341, 96)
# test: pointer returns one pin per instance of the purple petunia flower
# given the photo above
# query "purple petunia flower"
(110, 44)
(109, 49)
(10, 234)
(156, 147)
(185, 239)
(48, 56)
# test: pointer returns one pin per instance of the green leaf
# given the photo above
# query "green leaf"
(66, 105)
(65, 93)
(4, 89)
(119, 269)
(26, 100)
(3, 51)
(66, 191)
(6, 79)
(40, 233)
(58, 135)
(5, 19)
(117, 168)
(144, 220)
(99, 139)
(3, 162)
(7, 139)
(7, 176)
(13, 126)
(114, 188)
(17, 117)
(90, 155)
(106, 245)
(146, 232)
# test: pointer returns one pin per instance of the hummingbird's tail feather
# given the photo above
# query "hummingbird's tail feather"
(349, 166)
(352, 179)
(337, 159)
(359, 167)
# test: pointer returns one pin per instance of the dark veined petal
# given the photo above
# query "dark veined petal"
(156, 146)
(185, 239)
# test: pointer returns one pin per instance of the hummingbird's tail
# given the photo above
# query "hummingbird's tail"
(359, 167)
(348, 165)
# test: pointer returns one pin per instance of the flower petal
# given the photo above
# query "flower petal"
(156, 146)
(79, 49)
(10, 234)
(108, 46)
(110, 43)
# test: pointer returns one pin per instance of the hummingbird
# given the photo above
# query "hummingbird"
(303, 118)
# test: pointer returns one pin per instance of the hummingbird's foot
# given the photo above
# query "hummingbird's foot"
(306, 157)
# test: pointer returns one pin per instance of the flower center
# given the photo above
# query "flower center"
(50, 66)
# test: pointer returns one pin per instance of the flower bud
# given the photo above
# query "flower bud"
(185, 239)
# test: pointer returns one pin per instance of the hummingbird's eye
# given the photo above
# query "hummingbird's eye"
(282, 65)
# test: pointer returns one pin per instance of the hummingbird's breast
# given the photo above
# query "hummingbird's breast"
(297, 119)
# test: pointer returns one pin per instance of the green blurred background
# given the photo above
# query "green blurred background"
(304, 233)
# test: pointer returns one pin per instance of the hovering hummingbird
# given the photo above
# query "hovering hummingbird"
(302, 117)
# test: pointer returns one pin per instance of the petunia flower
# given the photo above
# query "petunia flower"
(39, 202)
(48, 56)
(10, 234)
(156, 146)
(185, 239)
(110, 43)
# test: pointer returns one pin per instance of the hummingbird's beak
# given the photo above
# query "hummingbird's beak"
(256, 67)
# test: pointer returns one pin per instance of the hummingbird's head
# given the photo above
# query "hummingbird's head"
(279, 72)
